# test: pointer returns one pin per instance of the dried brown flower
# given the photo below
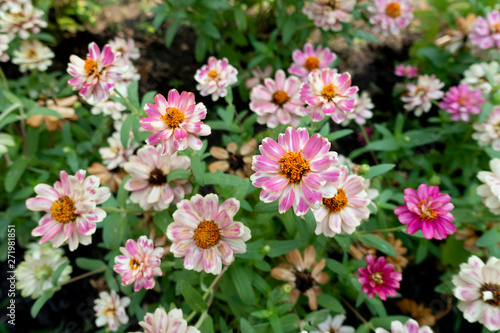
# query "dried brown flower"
(471, 235)
(112, 178)
(235, 162)
(418, 312)
(64, 106)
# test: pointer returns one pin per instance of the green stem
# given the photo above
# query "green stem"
(79, 277)
(127, 102)
(4, 79)
(23, 130)
(402, 227)
(202, 318)
(367, 140)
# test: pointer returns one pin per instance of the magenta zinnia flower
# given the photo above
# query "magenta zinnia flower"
(277, 102)
(406, 71)
(297, 170)
(460, 102)
(176, 123)
(391, 15)
(328, 14)
(140, 262)
(214, 78)
(411, 326)
(205, 234)
(328, 93)
(486, 32)
(70, 206)
(427, 209)
(96, 76)
(162, 322)
(379, 278)
(309, 60)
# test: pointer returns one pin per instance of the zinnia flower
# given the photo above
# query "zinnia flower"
(303, 275)
(344, 212)
(309, 60)
(33, 55)
(328, 14)
(22, 19)
(116, 155)
(407, 71)
(427, 209)
(214, 78)
(64, 106)
(205, 234)
(421, 314)
(411, 326)
(149, 171)
(175, 123)
(258, 76)
(477, 286)
(297, 170)
(488, 132)
(162, 322)
(475, 76)
(70, 206)
(96, 76)
(460, 101)
(110, 309)
(362, 109)
(4, 46)
(126, 47)
(34, 274)
(140, 262)
(490, 190)
(328, 93)
(419, 96)
(486, 32)
(379, 278)
(277, 101)
(231, 160)
(391, 15)
(334, 324)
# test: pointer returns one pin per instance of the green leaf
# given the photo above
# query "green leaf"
(37, 306)
(361, 34)
(90, 264)
(125, 130)
(385, 322)
(222, 126)
(336, 267)
(178, 174)
(207, 325)
(171, 31)
(310, 221)
(210, 30)
(279, 248)
(241, 18)
(489, 238)
(241, 277)
(388, 144)
(113, 230)
(14, 173)
(338, 134)
(122, 195)
(110, 279)
(197, 168)
(133, 94)
(275, 322)
(200, 48)
(192, 297)
(288, 30)
(378, 243)
(58, 272)
(262, 207)
(38, 110)
(331, 303)
(162, 220)
(378, 170)
(246, 327)
(12, 98)
(216, 4)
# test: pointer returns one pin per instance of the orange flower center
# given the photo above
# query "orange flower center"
(63, 210)
(280, 97)
(172, 117)
(496, 27)
(338, 202)
(110, 312)
(329, 91)
(393, 9)
(213, 74)
(207, 234)
(90, 66)
(31, 53)
(134, 264)
(311, 63)
(427, 213)
(293, 166)
(377, 278)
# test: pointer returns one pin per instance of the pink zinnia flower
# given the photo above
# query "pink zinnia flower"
(411, 326)
(110, 309)
(258, 76)
(309, 60)
(96, 76)
(379, 278)
(214, 78)
(176, 123)
(427, 209)
(419, 96)
(277, 101)
(149, 185)
(406, 71)
(70, 206)
(391, 15)
(297, 170)
(460, 101)
(477, 286)
(487, 132)
(328, 14)
(205, 234)
(362, 110)
(126, 48)
(140, 262)
(486, 32)
(328, 93)
(162, 322)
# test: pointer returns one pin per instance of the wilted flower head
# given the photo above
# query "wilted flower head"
(488, 132)
(258, 76)
(110, 309)
(334, 324)
(115, 155)
(411, 326)
(408, 71)
(308, 60)
(418, 97)
(126, 47)
(112, 178)
(328, 14)
(233, 160)
(205, 234)
(379, 278)
(490, 190)
(70, 206)
(162, 322)
(461, 102)
(454, 40)
(64, 106)
(214, 78)
(391, 15)
(21, 19)
(421, 314)
(362, 109)
(486, 32)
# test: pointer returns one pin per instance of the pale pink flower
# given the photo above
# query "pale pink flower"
(297, 170)
(214, 78)
(485, 33)
(277, 101)
(149, 170)
(461, 102)
(140, 263)
(419, 96)
(21, 19)
(334, 324)
(110, 310)
(344, 212)
(488, 132)
(328, 14)
(162, 322)
(391, 15)
(115, 155)
(96, 76)
(379, 278)
(411, 326)
(205, 234)
(490, 190)
(427, 209)
(309, 60)
(408, 71)
(4, 45)
(33, 55)
(126, 47)
(328, 93)
(258, 76)
(176, 123)
(70, 206)
(477, 286)
(363, 107)
(109, 108)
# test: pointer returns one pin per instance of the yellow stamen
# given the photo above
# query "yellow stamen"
(134, 264)
(90, 66)
(294, 166)
(393, 10)
(213, 74)
(63, 210)
(173, 117)
(311, 63)
(427, 213)
(377, 278)
(207, 234)
(338, 202)
(280, 97)
(329, 91)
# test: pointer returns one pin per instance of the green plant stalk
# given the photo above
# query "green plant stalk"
(4, 79)
(367, 140)
(79, 277)
(402, 227)
(127, 103)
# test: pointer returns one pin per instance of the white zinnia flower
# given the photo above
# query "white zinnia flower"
(488, 132)
(116, 155)
(33, 55)
(110, 309)
(490, 190)
(475, 76)
(334, 324)
(419, 96)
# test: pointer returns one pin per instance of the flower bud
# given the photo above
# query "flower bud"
(435, 180)
(363, 169)
(286, 288)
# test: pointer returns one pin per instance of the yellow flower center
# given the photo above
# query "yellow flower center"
(338, 202)
(496, 27)
(110, 312)
(134, 264)
(427, 213)
(294, 166)
(393, 9)
(207, 234)
(329, 91)
(31, 53)
(212, 74)
(311, 63)
(63, 210)
(280, 97)
(90, 66)
(377, 278)
(173, 117)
